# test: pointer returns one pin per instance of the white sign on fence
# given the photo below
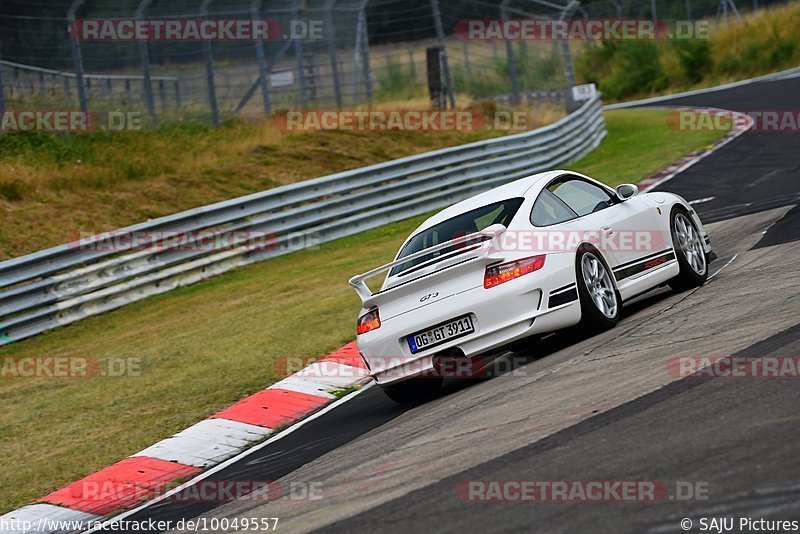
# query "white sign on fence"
(281, 78)
(584, 92)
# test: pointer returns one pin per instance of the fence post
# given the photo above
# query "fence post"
(512, 66)
(144, 55)
(2, 93)
(177, 84)
(298, 54)
(437, 21)
(255, 11)
(618, 8)
(337, 90)
(466, 59)
(356, 61)
(162, 92)
(733, 8)
(653, 10)
(566, 54)
(208, 53)
(688, 9)
(362, 16)
(77, 59)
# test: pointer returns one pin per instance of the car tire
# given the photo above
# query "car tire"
(689, 251)
(415, 390)
(599, 299)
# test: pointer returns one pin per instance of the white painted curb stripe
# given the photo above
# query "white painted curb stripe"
(322, 377)
(206, 443)
(301, 385)
(333, 374)
(44, 519)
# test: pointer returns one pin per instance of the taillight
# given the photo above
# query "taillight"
(499, 274)
(369, 321)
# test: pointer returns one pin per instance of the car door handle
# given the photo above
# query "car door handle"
(607, 230)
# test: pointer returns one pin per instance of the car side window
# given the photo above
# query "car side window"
(549, 209)
(582, 197)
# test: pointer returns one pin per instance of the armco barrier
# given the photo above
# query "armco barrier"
(64, 284)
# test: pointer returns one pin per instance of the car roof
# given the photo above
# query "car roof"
(517, 188)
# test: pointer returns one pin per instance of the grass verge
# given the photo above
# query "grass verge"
(53, 187)
(201, 348)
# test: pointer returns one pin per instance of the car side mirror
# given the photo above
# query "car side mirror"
(626, 191)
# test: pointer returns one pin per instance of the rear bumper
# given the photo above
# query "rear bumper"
(502, 315)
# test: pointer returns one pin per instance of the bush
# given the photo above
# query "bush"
(694, 57)
(622, 69)
(762, 42)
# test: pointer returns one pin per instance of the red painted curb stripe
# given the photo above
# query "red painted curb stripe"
(347, 355)
(272, 407)
(122, 485)
(134, 480)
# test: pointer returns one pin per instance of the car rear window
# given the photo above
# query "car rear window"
(467, 223)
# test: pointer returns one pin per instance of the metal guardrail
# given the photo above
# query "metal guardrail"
(63, 284)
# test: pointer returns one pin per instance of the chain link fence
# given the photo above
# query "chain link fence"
(328, 54)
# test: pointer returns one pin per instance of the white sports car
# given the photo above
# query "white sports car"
(540, 254)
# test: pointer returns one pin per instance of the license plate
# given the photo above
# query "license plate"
(441, 333)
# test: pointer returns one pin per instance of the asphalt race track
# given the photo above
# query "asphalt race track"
(604, 408)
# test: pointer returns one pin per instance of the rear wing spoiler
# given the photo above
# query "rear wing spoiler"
(494, 232)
